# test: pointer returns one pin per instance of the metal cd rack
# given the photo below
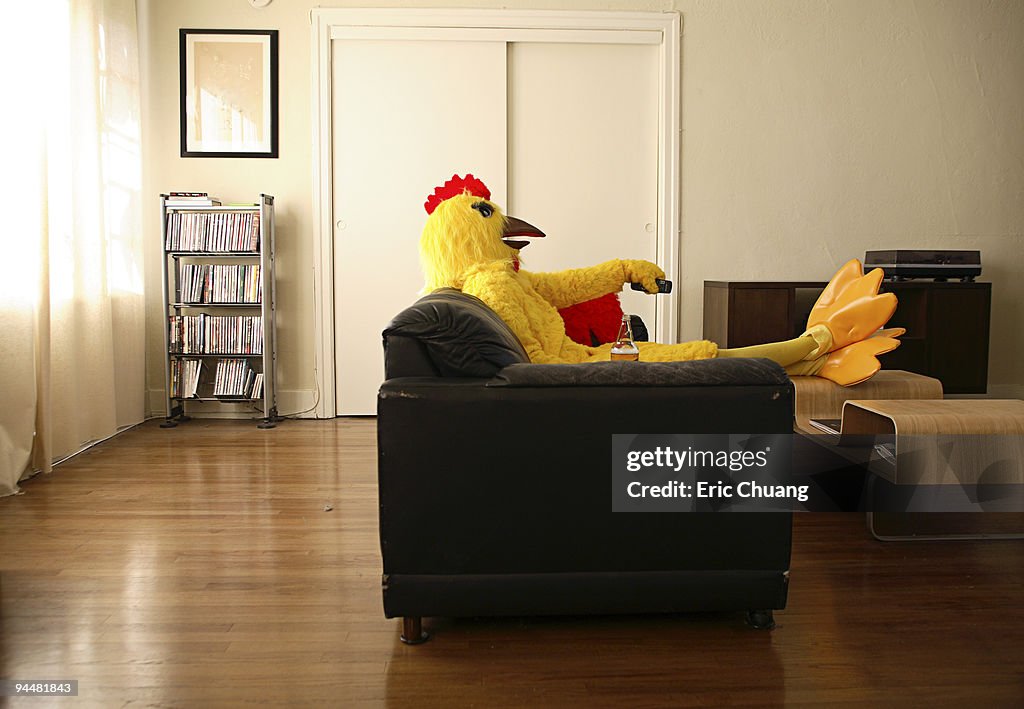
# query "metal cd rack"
(222, 315)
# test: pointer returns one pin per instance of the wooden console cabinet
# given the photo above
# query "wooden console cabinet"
(947, 323)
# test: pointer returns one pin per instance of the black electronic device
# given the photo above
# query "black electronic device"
(664, 286)
(941, 265)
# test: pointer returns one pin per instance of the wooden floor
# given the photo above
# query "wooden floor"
(197, 567)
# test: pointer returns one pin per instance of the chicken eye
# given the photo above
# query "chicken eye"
(485, 209)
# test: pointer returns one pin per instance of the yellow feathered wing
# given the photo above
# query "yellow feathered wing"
(517, 299)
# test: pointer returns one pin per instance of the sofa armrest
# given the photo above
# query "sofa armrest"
(452, 333)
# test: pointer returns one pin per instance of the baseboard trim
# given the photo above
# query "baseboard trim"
(297, 403)
(1006, 391)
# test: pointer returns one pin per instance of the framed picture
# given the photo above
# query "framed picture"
(228, 93)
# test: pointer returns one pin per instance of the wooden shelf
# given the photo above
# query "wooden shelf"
(947, 323)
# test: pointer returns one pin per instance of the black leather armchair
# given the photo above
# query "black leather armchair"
(494, 478)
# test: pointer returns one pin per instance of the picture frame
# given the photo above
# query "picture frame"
(228, 93)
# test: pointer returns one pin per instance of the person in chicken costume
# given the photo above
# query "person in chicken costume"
(468, 244)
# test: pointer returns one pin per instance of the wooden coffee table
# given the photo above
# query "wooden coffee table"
(909, 409)
(963, 442)
(818, 398)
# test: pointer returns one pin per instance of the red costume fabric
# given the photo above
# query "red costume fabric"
(594, 322)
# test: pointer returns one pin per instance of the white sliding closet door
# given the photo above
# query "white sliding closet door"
(565, 134)
(583, 155)
(407, 115)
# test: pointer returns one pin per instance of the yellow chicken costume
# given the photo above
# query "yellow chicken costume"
(468, 244)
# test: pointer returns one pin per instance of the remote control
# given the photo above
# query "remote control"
(664, 286)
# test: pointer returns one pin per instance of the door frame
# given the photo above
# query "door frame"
(595, 27)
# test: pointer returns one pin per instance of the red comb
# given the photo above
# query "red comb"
(453, 188)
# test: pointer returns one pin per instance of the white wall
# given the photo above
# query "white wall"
(812, 131)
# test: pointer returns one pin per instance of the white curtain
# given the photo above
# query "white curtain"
(71, 293)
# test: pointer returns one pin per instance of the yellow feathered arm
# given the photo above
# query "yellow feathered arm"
(577, 285)
(540, 329)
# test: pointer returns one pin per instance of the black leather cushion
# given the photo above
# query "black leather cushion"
(461, 335)
(406, 357)
(707, 372)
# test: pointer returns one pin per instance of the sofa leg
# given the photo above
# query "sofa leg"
(761, 620)
(412, 631)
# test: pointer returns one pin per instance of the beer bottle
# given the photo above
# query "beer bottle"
(624, 348)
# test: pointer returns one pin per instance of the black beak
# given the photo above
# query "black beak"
(516, 230)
